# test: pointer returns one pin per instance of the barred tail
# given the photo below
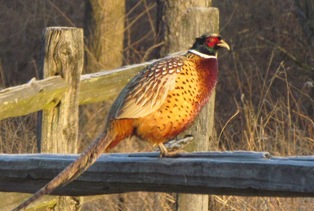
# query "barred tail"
(74, 170)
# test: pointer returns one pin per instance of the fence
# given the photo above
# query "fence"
(60, 93)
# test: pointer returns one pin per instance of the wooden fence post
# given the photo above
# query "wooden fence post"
(63, 55)
(181, 25)
(199, 21)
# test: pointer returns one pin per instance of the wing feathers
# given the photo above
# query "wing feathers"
(148, 90)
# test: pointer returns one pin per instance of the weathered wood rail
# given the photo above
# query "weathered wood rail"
(225, 173)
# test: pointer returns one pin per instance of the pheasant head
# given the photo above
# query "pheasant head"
(208, 45)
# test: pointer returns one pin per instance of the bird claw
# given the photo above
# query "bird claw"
(172, 154)
(165, 153)
(179, 143)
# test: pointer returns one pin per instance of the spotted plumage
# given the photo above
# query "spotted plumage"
(156, 105)
(147, 91)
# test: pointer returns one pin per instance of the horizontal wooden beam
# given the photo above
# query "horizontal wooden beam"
(105, 85)
(30, 97)
(225, 173)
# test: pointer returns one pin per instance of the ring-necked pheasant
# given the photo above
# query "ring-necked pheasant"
(156, 105)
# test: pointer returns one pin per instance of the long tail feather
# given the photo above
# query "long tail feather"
(74, 170)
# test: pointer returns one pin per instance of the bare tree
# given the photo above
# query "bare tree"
(104, 32)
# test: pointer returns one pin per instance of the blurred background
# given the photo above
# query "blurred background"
(264, 97)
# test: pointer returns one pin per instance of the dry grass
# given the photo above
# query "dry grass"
(18, 135)
(275, 120)
(264, 96)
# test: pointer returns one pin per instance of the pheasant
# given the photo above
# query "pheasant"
(156, 105)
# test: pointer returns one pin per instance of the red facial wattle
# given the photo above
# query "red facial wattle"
(212, 41)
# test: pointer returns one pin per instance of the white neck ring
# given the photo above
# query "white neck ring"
(202, 54)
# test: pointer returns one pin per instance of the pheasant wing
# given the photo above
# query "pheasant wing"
(148, 90)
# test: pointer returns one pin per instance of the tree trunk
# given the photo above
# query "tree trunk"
(104, 32)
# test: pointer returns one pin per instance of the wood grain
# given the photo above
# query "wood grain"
(222, 173)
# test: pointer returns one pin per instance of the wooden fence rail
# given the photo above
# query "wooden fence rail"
(225, 173)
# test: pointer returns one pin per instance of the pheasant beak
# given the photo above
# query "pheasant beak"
(223, 44)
